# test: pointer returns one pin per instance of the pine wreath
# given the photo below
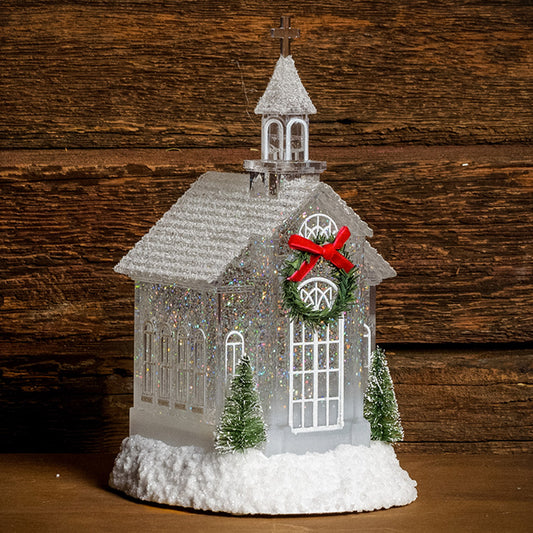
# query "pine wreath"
(346, 285)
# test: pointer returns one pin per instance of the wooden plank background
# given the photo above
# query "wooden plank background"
(109, 111)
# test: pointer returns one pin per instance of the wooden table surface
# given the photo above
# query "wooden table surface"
(459, 493)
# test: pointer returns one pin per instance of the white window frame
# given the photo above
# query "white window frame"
(367, 335)
(164, 388)
(299, 399)
(148, 364)
(181, 369)
(190, 370)
(234, 351)
(319, 399)
(197, 398)
(317, 225)
(321, 344)
(266, 147)
(304, 138)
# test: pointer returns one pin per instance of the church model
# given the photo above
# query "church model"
(270, 267)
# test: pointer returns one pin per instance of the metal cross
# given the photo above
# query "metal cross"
(285, 33)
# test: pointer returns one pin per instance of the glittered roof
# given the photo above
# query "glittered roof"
(214, 222)
(375, 268)
(285, 93)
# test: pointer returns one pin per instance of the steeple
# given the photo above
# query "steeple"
(285, 108)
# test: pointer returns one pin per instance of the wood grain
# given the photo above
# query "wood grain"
(181, 73)
(457, 229)
(65, 493)
(413, 84)
(456, 321)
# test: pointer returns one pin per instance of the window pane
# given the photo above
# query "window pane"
(322, 357)
(297, 142)
(308, 414)
(322, 384)
(164, 350)
(181, 393)
(322, 332)
(308, 335)
(308, 385)
(297, 359)
(309, 357)
(334, 356)
(321, 412)
(333, 384)
(181, 350)
(297, 415)
(333, 412)
(297, 387)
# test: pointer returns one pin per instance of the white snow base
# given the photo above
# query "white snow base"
(347, 479)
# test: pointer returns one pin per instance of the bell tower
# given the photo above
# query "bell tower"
(285, 108)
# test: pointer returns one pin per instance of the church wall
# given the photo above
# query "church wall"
(187, 387)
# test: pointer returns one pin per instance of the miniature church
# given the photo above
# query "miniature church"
(209, 288)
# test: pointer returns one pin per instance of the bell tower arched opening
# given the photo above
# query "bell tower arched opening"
(297, 144)
(272, 140)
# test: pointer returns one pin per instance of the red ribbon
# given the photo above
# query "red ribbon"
(327, 251)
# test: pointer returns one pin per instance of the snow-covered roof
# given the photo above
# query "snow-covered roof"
(285, 93)
(214, 222)
(375, 268)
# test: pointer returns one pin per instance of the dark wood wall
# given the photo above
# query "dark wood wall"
(110, 109)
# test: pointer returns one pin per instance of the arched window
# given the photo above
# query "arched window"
(316, 376)
(164, 367)
(318, 225)
(297, 141)
(273, 140)
(234, 352)
(147, 372)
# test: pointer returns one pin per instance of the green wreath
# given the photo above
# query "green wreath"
(298, 310)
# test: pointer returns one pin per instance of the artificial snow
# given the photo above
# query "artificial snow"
(347, 479)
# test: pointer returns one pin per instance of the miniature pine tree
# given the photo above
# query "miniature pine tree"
(241, 424)
(380, 406)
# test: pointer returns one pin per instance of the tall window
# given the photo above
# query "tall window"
(316, 366)
(197, 397)
(234, 352)
(164, 367)
(316, 373)
(182, 366)
(147, 363)
(190, 371)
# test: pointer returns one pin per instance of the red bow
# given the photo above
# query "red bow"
(327, 251)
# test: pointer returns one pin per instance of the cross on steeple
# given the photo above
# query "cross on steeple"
(285, 33)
